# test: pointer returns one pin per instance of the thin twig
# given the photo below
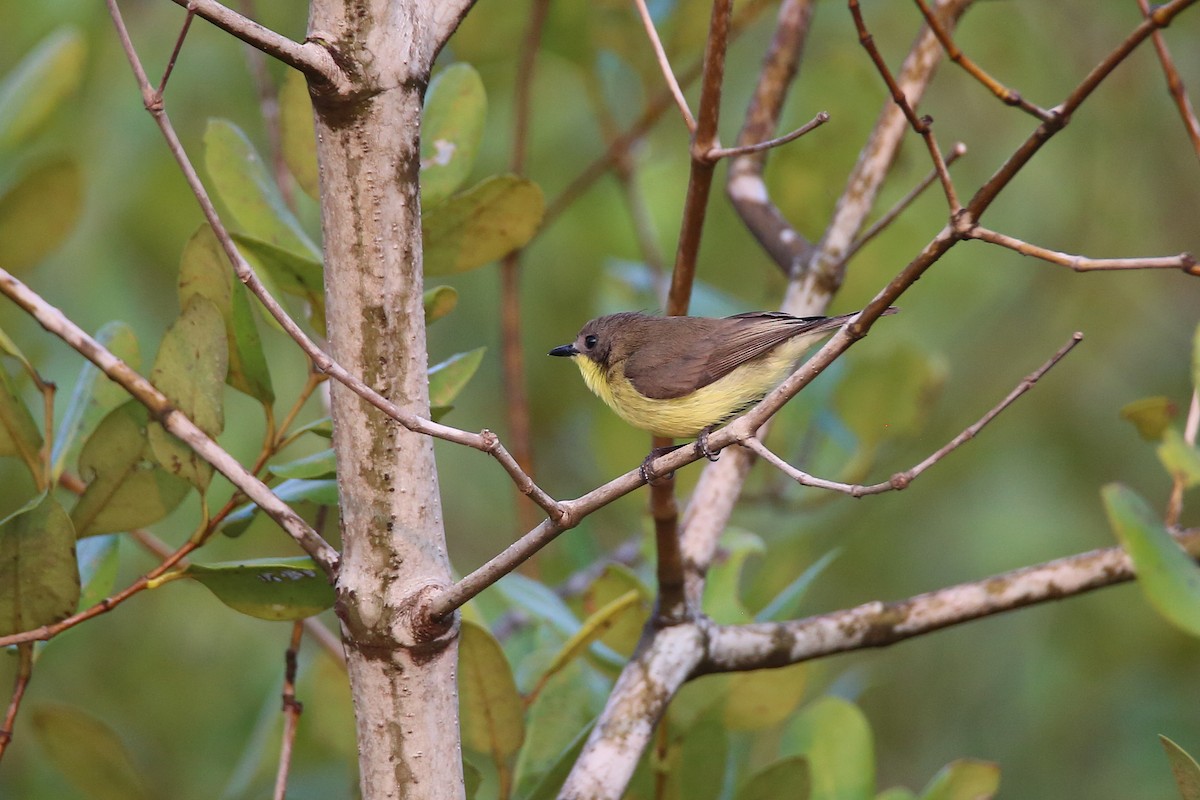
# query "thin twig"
(718, 153)
(895, 211)
(292, 708)
(309, 57)
(901, 480)
(664, 64)
(1175, 84)
(183, 32)
(1006, 95)
(1183, 261)
(20, 684)
(1175, 503)
(922, 125)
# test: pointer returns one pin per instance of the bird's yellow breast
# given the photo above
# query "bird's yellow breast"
(684, 417)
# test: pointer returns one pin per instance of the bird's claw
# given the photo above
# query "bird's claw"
(702, 447)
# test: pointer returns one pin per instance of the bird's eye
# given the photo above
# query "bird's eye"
(590, 340)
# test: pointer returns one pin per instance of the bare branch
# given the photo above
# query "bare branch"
(292, 709)
(664, 64)
(1183, 261)
(1175, 84)
(901, 480)
(20, 684)
(310, 57)
(1008, 96)
(956, 152)
(172, 419)
(756, 646)
(728, 152)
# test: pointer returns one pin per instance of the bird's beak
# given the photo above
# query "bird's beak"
(566, 350)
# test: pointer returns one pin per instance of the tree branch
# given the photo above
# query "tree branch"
(172, 419)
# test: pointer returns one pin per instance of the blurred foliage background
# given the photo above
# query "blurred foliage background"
(1068, 698)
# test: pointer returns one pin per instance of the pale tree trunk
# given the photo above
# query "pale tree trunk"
(402, 679)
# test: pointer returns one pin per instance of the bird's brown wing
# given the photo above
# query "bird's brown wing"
(677, 365)
(752, 335)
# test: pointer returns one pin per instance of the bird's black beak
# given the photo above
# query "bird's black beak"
(564, 350)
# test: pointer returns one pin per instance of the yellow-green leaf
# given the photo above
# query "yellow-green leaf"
(565, 706)
(590, 631)
(483, 223)
(788, 777)
(39, 579)
(439, 301)
(836, 739)
(204, 270)
(321, 464)
(1169, 577)
(492, 713)
(298, 136)
(38, 212)
(964, 779)
(451, 128)
(126, 487)
(94, 395)
(1150, 415)
(614, 582)
(268, 588)
(1184, 768)
(190, 370)
(97, 557)
(20, 435)
(448, 378)
(764, 697)
(39, 83)
(1180, 458)
(248, 191)
(88, 753)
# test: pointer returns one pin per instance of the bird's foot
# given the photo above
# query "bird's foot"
(702, 445)
(644, 470)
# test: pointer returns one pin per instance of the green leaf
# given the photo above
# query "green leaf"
(448, 378)
(451, 129)
(560, 711)
(39, 84)
(479, 225)
(204, 271)
(592, 629)
(896, 793)
(1184, 768)
(964, 779)
(38, 212)
(763, 698)
(1150, 415)
(722, 596)
(268, 588)
(322, 427)
(39, 579)
(88, 753)
(696, 764)
(439, 301)
(788, 777)
(626, 630)
(786, 604)
(491, 709)
(297, 134)
(126, 487)
(19, 434)
(322, 492)
(318, 465)
(553, 779)
(97, 557)
(94, 395)
(1167, 575)
(248, 191)
(190, 370)
(9, 348)
(1180, 458)
(836, 738)
(287, 272)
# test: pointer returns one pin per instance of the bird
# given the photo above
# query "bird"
(680, 377)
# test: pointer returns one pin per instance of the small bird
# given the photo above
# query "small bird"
(679, 377)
